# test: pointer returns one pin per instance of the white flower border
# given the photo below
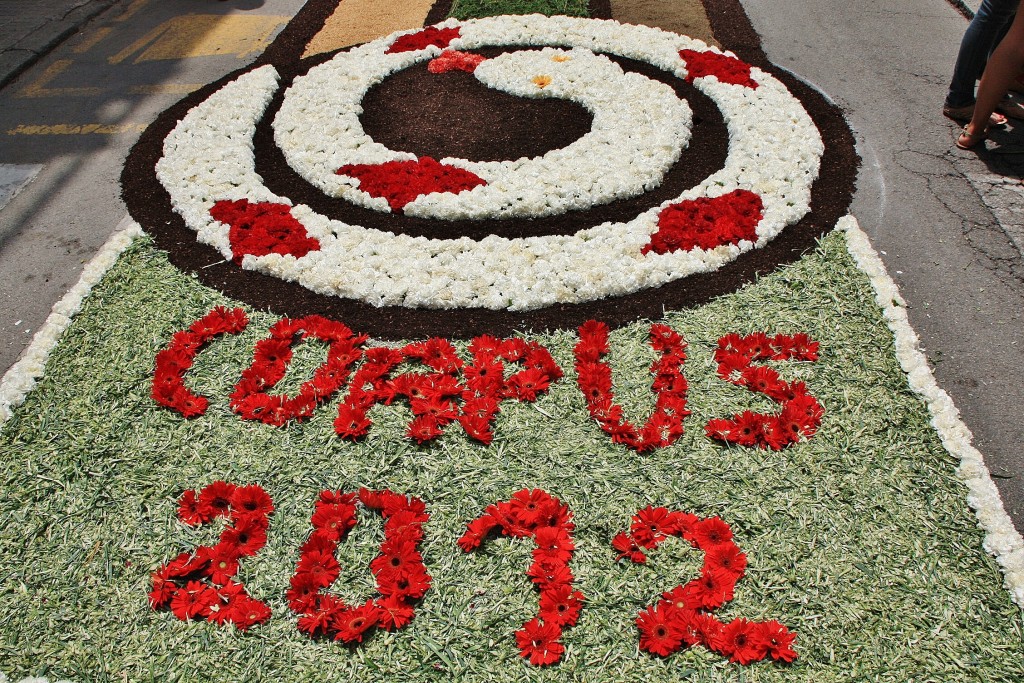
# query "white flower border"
(1002, 540)
(22, 377)
(627, 151)
(774, 151)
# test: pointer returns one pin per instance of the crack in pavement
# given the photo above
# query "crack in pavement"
(995, 229)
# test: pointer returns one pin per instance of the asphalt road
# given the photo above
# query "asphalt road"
(948, 223)
(69, 121)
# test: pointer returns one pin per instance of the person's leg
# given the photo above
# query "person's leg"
(979, 39)
(1002, 68)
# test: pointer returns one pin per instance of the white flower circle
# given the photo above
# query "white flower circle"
(774, 151)
(639, 130)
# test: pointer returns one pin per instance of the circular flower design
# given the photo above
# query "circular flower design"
(640, 128)
(627, 150)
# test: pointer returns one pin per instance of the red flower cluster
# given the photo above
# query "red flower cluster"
(174, 361)
(594, 377)
(535, 513)
(263, 228)
(430, 36)
(270, 362)
(682, 618)
(434, 397)
(707, 222)
(401, 182)
(726, 69)
(402, 577)
(200, 584)
(801, 413)
(453, 60)
(486, 385)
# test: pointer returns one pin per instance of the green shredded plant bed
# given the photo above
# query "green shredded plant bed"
(859, 540)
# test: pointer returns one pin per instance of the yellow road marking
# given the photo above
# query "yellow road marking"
(165, 89)
(85, 129)
(132, 9)
(90, 42)
(203, 35)
(357, 21)
(38, 88)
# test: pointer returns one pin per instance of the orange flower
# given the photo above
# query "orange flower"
(542, 81)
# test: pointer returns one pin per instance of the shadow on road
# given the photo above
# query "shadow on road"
(76, 113)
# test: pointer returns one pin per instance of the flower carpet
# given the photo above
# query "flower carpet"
(520, 345)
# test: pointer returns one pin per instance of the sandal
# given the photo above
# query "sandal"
(967, 140)
(964, 114)
(1011, 107)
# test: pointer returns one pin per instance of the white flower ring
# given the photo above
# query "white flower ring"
(774, 152)
(640, 128)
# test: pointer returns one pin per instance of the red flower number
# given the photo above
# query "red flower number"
(402, 577)
(201, 585)
(543, 517)
(683, 617)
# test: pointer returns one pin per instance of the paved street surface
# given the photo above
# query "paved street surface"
(67, 123)
(949, 224)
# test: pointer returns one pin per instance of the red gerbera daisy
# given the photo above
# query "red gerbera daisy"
(411, 584)
(658, 634)
(247, 612)
(351, 422)
(221, 612)
(705, 628)
(184, 565)
(538, 642)
(531, 507)
(406, 526)
(713, 589)
(526, 385)
(550, 574)
(778, 641)
(190, 511)
(628, 547)
(163, 589)
(393, 612)
(553, 544)
(192, 600)
(397, 557)
(710, 532)
(677, 598)
(727, 557)
(742, 642)
(424, 428)
(223, 559)
(215, 499)
(353, 623)
(248, 535)
(561, 605)
(652, 525)
(476, 531)
(318, 541)
(251, 501)
(321, 566)
(334, 521)
(304, 592)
